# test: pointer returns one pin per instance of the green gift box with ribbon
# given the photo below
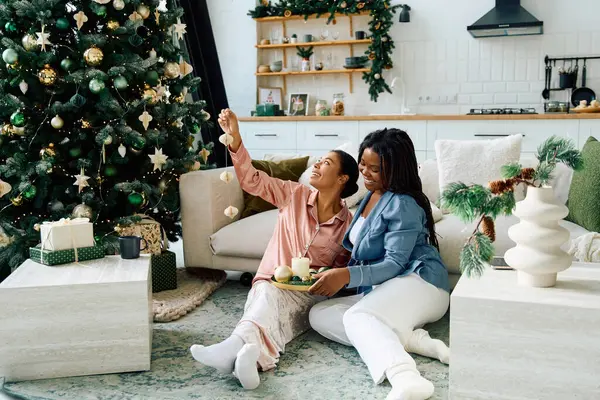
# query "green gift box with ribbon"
(164, 271)
(57, 257)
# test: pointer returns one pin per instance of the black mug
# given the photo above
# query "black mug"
(130, 246)
(360, 35)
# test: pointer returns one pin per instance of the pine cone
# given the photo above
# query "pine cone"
(488, 228)
(497, 187)
(510, 185)
(527, 173)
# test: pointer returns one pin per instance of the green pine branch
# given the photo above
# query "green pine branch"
(476, 255)
(465, 201)
(510, 171)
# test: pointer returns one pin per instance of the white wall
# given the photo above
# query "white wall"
(434, 54)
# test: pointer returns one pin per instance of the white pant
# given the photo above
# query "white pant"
(380, 324)
(272, 318)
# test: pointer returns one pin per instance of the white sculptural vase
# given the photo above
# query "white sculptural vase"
(537, 257)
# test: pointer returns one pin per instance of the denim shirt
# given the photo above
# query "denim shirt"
(391, 243)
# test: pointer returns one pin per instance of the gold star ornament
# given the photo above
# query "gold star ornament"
(43, 38)
(158, 159)
(81, 180)
(180, 29)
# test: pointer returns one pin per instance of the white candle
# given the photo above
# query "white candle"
(301, 266)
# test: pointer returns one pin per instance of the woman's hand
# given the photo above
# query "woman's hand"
(229, 123)
(330, 282)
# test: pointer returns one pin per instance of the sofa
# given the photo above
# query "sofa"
(212, 240)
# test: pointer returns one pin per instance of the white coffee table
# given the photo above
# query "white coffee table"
(76, 319)
(514, 342)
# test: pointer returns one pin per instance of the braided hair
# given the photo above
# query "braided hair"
(400, 170)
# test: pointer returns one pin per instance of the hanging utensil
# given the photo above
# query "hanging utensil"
(583, 93)
(546, 91)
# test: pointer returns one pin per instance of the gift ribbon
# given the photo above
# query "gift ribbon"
(65, 222)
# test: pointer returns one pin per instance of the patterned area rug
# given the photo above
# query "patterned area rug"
(311, 368)
(191, 291)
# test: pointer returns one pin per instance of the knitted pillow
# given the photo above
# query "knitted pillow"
(584, 195)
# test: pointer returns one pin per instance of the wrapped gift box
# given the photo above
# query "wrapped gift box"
(151, 231)
(67, 234)
(57, 257)
(164, 271)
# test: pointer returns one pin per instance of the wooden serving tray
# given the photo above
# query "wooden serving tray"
(286, 286)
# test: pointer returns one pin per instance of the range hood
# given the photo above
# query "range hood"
(508, 18)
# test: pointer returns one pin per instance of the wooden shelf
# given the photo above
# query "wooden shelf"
(323, 72)
(316, 44)
(312, 16)
(425, 117)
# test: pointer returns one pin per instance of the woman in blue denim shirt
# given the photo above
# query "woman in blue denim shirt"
(396, 268)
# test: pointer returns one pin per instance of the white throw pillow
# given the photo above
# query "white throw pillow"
(428, 172)
(475, 161)
(278, 157)
(356, 198)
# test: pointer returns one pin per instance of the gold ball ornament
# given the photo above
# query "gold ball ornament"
(8, 130)
(113, 24)
(287, 13)
(93, 56)
(47, 75)
(29, 42)
(47, 152)
(19, 131)
(82, 211)
(172, 70)
(151, 96)
(17, 201)
(144, 11)
(118, 5)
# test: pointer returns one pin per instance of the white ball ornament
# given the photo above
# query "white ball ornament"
(283, 274)
(57, 122)
(226, 139)
(231, 212)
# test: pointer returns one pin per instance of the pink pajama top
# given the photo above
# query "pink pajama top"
(298, 231)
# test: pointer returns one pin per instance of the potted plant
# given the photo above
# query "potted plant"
(305, 54)
(294, 38)
(537, 256)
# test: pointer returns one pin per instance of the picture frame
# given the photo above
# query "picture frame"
(298, 104)
(272, 95)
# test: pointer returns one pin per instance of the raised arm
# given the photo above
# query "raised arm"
(276, 191)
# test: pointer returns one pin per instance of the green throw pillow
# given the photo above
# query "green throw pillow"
(584, 195)
(288, 170)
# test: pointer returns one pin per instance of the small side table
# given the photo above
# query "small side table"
(76, 319)
(515, 342)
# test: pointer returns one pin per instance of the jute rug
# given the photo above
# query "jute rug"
(191, 291)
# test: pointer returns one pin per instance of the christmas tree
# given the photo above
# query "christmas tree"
(95, 117)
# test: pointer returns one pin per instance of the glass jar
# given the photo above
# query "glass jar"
(321, 108)
(338, 104)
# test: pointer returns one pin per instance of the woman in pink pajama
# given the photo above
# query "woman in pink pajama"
(311, 223)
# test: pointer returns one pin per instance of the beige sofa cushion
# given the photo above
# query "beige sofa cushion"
(246, 238)
(452, 234)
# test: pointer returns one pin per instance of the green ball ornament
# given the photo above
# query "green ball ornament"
(10, 56)
(195, 128)
(29, 42)
(96, 86)
(62, 24)
(10, 27)
(67, 64)
(152, 78)
(30, 192)
(101, 11)
(139, 143)
(135, 199)
(176, 89)
(121, 82)
(75, 152)
(17, 119)
(110, 170)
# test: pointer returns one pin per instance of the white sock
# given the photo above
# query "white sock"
(220, 356)
(421, 343)
(409, 385)
(245, 366)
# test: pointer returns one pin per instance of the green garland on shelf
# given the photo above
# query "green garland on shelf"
(382, 13)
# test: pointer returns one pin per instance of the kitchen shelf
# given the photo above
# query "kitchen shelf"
(283, 21)
(316, 44)
(312, 16)
(323, 72)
